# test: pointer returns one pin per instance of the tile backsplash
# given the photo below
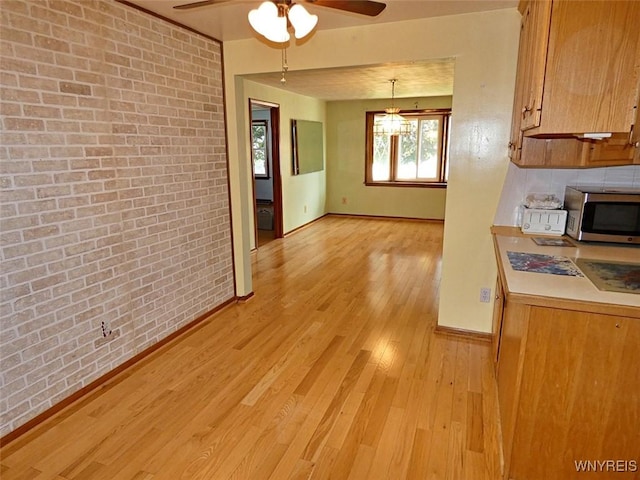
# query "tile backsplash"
(521, 182)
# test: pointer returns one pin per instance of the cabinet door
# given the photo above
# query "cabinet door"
(592, 67)
(617, 150)
(498, 307)
(634, 137)
(515, 143)
(534, 35)
(513, 340)
(579, 397)
(574, 153)
(552, 152)
(535, 32)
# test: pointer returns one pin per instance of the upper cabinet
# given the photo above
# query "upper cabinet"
(578, 77)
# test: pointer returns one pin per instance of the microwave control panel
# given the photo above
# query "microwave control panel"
(548, 222)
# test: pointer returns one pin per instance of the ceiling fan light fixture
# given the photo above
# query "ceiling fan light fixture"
(277, 30)
(271, 21)
(267, 21)
(261, 16)
(303, 22)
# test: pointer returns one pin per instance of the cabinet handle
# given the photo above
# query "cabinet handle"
(525, 109)
(631, 142)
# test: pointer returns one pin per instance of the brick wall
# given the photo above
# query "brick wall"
(115, 211)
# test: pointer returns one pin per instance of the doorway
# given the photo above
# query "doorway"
(264, 118)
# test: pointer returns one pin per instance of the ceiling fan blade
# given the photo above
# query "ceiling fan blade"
(202, 3)
(363, 7)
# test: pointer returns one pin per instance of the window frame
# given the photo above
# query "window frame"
(265, 124)
(443, 147)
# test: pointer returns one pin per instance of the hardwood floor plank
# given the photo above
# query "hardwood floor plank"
(320, 436)
(260, 461)
(355, 436)
(311, 410)
(441, 423)
(142, 476)
(380, 466)
(380, 412)
(455, 464)
(28, 473)
(302, 471)
(332, 370)
(276, 369)
(403, 448)
(361, 464)
(92, 470)
(460, 385)
(475, 435)
(318, 366)
(324, 465)
(346, 416)
(492, 436)
(420, 452)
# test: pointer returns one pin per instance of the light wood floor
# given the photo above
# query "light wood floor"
(331, 371)
(264, 237)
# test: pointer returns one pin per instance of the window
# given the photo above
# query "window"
(416, 158)
(259, 148)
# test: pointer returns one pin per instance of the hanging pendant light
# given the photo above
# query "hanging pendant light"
(392, 123)
(271, 20)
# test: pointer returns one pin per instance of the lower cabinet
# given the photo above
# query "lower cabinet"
(498, 308)
(569, 394)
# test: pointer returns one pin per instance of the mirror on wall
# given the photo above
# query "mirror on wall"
(307, 148)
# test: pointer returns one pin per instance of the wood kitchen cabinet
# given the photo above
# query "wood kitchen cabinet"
(498, 308)
(532, 51)
(574, 153)
(578, 72)
(568, 367)
(568, 391)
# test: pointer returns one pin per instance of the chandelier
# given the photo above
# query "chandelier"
(271, 20)
(392, 123)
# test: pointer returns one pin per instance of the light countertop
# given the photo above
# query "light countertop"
(564, 287)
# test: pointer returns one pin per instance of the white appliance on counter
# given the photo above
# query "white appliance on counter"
(539, 220)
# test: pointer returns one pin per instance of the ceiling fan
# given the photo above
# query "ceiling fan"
(273, 18)
(363, 7)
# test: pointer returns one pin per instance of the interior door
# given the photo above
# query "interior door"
(264, 119)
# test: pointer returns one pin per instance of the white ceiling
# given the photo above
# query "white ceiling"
(227, 21)
(413, 79)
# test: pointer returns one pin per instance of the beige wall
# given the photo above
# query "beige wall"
(115, 204)
(345, 165)
(484, 46)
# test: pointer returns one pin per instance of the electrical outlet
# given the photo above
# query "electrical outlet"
(344, 200)
(485, 295)
(106, 329)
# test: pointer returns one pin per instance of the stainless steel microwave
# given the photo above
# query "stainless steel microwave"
(603, 214)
